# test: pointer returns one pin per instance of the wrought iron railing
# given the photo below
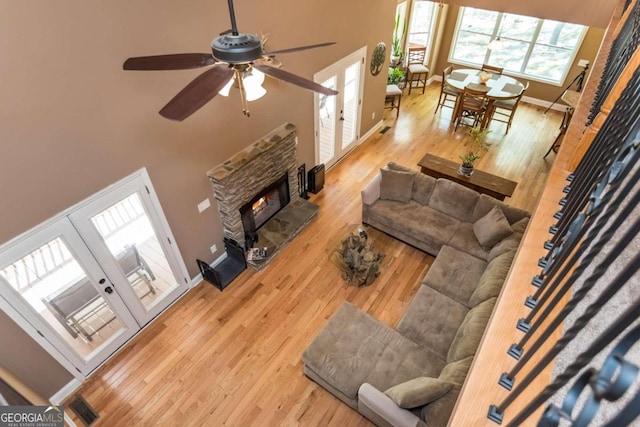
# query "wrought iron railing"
(621, 51)
(602, 202)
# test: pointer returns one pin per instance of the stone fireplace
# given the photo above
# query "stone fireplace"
(257, 193)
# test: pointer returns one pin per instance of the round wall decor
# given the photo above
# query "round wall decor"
(377, 58)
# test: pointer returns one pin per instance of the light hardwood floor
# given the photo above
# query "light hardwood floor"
(233, 358)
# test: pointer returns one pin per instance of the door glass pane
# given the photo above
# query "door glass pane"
(131, 239)
(350, 112)
(54, 284)
(327, 119)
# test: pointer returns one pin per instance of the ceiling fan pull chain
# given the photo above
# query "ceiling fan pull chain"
(243, 94)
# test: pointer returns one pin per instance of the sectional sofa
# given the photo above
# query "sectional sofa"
(411, 375)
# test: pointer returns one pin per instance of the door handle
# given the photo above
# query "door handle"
(108, 290)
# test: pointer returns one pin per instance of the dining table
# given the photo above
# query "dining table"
(497, 87)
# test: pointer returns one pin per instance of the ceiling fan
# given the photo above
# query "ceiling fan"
(236, 57)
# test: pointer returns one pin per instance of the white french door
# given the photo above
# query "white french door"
(122, 230)
(337, 118)
(88, 280)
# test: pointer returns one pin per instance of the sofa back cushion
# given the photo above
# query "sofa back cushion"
(423, 185)
(492, 279)
(453, 199)
(511, 242)
(486, 203)
(396, 185)
(470, 331)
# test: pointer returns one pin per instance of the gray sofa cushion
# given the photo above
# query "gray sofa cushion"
(492, 228)
(418, 391)
(510, 243)
(437, 414)
(486, 203)
(396, 185)
(423, 185)
(422, 222)
(354, 348)
(453, 199)
(465, 240)
(432, 320)
(455, 274)
(470, 332)
(492, 279)
(456, 372)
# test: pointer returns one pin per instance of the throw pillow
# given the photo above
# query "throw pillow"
(418, 391)
(396, 185)
(492, 228)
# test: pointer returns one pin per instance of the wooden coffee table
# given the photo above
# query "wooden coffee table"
(480, 181)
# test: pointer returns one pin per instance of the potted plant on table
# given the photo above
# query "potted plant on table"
(478, 146)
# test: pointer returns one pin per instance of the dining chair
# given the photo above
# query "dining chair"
(417, 72)
(447, 91)
(504, 109)
(492, 69)
(471, 105)
(393, 96)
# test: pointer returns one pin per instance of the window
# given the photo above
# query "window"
(540, 49)
(421, 26)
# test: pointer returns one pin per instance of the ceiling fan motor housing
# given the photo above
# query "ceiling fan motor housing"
(236, 49)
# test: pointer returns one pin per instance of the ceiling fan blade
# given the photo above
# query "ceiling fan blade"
(294, 79)
(299, 48)
(180, 61)
(197, 93)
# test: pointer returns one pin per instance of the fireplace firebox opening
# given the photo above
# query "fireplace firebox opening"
(268, 202)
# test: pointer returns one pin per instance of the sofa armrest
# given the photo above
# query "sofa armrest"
(383, 411)
(371, 192)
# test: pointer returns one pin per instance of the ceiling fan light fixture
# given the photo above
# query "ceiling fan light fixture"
(254, 92)
(225, 90)
(252, 81)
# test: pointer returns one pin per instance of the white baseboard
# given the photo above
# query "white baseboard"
(199, 278)
(543, 103)
(370, 132)
(65, 391)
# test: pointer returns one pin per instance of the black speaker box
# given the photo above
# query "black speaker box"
(316, 179)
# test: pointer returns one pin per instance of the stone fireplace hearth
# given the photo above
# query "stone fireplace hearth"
(255, 171)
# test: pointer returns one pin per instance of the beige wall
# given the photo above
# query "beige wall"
(28, 362)
(543, 91)
(73, 122)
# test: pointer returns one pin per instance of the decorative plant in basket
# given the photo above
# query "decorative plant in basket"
(478, 146)
(355, 257)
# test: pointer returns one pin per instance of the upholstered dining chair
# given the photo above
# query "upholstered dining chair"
(492, 69)
(393, 97)
(417, 72)
(471, 105)
(447, 93)
(504, 109)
